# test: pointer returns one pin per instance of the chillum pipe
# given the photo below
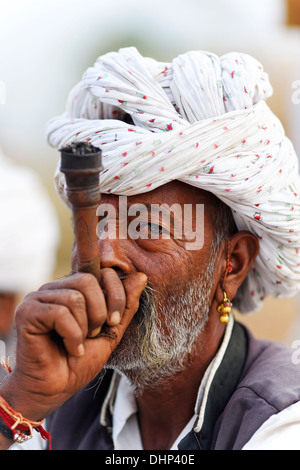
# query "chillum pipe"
(81, 165)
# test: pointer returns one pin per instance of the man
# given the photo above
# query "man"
(29, 236)
(179, 372)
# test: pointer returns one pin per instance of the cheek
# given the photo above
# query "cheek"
(169, 272)
(161, 266)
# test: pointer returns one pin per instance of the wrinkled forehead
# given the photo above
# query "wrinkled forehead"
(175, 192)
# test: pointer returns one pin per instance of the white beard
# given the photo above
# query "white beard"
(151, 352)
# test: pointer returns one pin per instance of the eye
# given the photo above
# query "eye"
(153, 230)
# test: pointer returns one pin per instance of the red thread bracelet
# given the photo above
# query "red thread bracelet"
(21, 427)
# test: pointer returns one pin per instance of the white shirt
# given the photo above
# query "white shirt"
(126, 433)
(279, 432)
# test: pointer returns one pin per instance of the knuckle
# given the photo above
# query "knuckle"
(77, 299)
(60, 312)
(110, 275)
(24, 310)
(45, 286)
(86, 278)
(107, 271)
(19, 313)
(117, 297)
(30, 296)
(87, 281)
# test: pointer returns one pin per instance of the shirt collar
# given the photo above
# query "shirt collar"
(209, 375)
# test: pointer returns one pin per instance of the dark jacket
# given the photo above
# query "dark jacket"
(255, 380)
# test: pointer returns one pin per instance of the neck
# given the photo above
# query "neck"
(166, 407)
(165, 410)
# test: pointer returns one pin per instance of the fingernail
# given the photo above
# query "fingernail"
(80, 350)
(115, 318)
(95, 332)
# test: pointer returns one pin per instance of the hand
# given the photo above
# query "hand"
(56, 355)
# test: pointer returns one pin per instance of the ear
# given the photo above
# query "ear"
(244, 247)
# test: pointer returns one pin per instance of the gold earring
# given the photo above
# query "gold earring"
(224, 309)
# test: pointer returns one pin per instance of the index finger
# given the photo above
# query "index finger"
(94, 296)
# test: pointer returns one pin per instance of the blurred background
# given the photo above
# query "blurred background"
(45, 46)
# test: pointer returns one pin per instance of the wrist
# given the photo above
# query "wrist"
(15, 428)
(20, 400)
(6, 436)
(5, 431)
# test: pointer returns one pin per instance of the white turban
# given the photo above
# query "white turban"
(202, 120)
(29, 232)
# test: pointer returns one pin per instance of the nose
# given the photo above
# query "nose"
(113, 249)
(113, 254)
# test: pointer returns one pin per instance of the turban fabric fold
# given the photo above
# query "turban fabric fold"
(203, 120)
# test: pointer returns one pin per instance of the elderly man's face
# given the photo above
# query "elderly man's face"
(160, 339)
